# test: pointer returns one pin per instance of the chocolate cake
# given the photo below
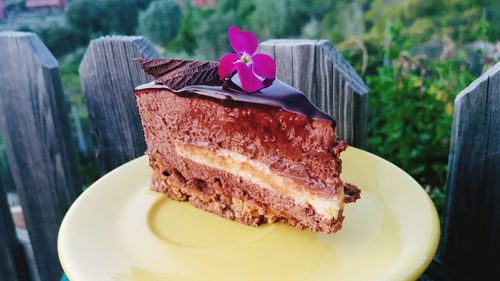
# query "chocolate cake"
(263, 157)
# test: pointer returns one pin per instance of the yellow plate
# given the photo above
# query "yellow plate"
(119, 230)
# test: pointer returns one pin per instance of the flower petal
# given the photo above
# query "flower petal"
(264, 66)
(226, 65)
(242, 41)
(249, 82)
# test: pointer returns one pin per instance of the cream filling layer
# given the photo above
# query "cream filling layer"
(260, 174)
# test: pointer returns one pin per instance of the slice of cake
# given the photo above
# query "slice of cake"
(261, 157)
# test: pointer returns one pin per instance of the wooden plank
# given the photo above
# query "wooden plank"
(361, 103)
(39, 145)
(348, 116)
(284, 62)
(304, 57)
(108, 77)
(340, 113)
(8, 240)
(317, 69)
(471, 228)
(322, 85)
(331, 98)
(267, 47)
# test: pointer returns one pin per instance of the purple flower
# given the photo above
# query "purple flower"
(252, 68)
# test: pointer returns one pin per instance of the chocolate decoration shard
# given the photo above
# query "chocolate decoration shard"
(185, 76)
(177, 74)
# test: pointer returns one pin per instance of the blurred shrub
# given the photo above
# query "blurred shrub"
(424, 21)
(160, 22)
(185, 41)
(103, 17)
(61, 39)
(89, 19)
(212, 35)
(411, 104)
(71, 83)
(203, 32)
(278, 18)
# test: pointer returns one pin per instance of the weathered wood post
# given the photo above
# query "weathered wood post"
(108, 77)
(471, 228)
(35, 127)
(12, 262)
(317, 69)
(8, 240)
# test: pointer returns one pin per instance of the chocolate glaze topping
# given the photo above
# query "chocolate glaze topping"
(182, 76)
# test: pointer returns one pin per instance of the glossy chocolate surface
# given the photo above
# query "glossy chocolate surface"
(276, 94)
(201, 77)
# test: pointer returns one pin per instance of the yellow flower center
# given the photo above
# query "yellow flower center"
(246, 58)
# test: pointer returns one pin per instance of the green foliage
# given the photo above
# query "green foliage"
(88, 169)
(161, 21)
(71, 83)
(423, 20)
(61, 39)
(212, 35)
(203, 32)
(89, 19)
(186, 39)
(102, 17)
(278, 18)
(411, 103)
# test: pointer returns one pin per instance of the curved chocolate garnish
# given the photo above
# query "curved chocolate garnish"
(177, 74)
(182, 76)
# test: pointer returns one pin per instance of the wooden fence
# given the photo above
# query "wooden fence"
(34, 125)
(39, 146)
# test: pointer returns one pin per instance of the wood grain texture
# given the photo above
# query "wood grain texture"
(319, 70)
(108, 77)
(471, 230)
(8, 239)
(39, 145)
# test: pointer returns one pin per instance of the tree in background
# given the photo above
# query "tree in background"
(160, 22)
(186, 39)
(89, 19)
(204, 31)
(103, 17)
(62, 39)
(411, 103)
(278, 18)
(212, 37)
(422, 20)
